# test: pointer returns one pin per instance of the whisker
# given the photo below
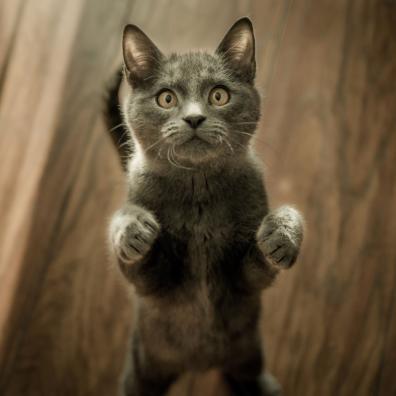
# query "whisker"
(117, 126)
(171, 159)
(155, 143)
(244, 133)
(228, 144)
(245, 123)
(171, 133)
(127, 143)
(255, 137)
(168, 156)
(236, 142)
(122, 138)
(173, 154)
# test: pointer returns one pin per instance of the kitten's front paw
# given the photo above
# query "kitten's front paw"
(280, 235)
(132, 234)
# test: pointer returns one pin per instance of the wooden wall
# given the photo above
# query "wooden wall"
(327, 69)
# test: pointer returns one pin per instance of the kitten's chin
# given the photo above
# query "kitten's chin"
(196, 151)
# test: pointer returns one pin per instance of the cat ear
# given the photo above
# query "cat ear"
(141, 56)
(237, 48)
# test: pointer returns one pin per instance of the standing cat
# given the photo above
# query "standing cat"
(195, 236)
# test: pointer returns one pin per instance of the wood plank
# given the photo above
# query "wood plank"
(42, 188)
(26, 122)
(329, 122)
(10, 14)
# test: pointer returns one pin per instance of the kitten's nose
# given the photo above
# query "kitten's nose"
(194, 120)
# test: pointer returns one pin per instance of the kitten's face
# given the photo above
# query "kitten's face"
(194, 108)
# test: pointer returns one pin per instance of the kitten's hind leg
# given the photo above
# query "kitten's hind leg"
(269, 385)
(247, 378)
(264, 385)
(142, 377)
(149, 384)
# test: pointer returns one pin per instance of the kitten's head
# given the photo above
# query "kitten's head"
(194, 108)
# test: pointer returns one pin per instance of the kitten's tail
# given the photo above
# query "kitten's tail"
(114, 121)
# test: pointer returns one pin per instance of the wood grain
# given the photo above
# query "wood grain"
(327, 70)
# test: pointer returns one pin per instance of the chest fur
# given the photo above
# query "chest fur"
(207, 225)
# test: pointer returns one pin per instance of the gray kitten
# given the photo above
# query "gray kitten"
(195, 236)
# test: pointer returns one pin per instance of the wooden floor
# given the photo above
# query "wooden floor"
(328, 136)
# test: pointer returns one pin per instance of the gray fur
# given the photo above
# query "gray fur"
(195, 237)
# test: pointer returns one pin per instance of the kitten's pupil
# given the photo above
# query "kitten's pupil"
(218, 96)
(168, 98)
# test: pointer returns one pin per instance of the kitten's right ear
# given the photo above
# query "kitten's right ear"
(141, 56)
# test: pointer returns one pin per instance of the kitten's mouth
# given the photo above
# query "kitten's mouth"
(194, 140)
(197, 139)
(200, 139)
(195, 148)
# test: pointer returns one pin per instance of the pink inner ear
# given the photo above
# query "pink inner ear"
(141, 60)
(141, 55)
(242, 47)
(136, 55)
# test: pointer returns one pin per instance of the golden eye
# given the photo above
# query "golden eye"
(219, 96)
(167, 99)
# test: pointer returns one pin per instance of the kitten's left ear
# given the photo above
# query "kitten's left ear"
(237, 48)
(141, 56)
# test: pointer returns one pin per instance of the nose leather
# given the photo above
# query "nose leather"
(194, 120)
